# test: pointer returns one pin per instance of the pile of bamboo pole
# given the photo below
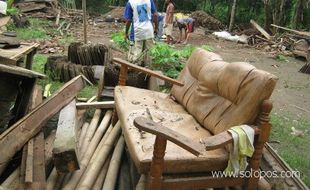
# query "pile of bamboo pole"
(101, 146)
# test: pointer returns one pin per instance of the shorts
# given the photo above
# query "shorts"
(190, 27)
(168, 29)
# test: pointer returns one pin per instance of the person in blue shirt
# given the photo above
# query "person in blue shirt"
(139, 15)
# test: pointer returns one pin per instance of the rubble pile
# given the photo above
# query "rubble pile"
(204, 20)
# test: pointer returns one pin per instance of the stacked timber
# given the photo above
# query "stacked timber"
(78, 155)
(88, 60)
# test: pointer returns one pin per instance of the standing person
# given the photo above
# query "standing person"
(168, 26)
(188, 25)
(138, 15)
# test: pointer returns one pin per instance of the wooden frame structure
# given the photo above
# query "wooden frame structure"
(155, 178)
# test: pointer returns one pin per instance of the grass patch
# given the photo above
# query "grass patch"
(38, 29)
(293, 149)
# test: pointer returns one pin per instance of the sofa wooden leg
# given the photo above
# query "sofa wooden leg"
(157, 165)
(263, 137)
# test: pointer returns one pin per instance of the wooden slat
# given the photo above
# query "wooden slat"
(96, 105)
(148, 71)
(39, 177)
(12, 69)
(157, 129)
(31, 124)
(65, 151)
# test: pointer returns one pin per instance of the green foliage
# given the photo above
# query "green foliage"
(170, 60)
(12, 11)
(119, 39)
(280, 57)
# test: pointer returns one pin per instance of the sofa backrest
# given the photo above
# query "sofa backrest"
(219, 94)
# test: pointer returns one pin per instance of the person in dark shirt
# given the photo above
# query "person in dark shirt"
(188, 25)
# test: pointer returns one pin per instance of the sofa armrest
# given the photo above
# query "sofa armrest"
(157, 129)
(221, 139)
(126, 64)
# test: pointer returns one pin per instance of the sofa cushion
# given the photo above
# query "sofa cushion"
(220, 95)
(133, 102)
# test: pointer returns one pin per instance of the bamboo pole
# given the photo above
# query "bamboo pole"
(91, 130)
(101, 177)
(51, 180)
(92, 170)
(141, 183)
(82, 135)
(90, 151)
(112, 174)
(11, 178)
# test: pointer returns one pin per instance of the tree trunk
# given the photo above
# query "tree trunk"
(232, 16)
(298, 14)
(268, 16)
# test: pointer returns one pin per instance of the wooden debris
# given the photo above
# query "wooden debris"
(261, 30)
(97, 105)
(31, 124)
(65, 151)
(111, 177)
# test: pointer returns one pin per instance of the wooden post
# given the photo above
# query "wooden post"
(65, 151)
(157, 165)
(111, 177)
(265, 127)
(84, 20)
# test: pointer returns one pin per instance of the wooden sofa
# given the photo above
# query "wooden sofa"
(209, 97)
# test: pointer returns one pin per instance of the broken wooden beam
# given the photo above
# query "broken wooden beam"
(65, 150)
(30, 125)
(96, 105)
(261, 30)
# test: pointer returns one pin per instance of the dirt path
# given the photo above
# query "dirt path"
(292, 94)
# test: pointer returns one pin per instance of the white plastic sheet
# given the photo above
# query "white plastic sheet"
(3, 7)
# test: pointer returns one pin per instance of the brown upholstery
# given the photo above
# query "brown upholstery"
(133, 102)
(216, 96)
(228, 94)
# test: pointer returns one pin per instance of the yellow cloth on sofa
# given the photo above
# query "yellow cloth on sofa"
(241, 148)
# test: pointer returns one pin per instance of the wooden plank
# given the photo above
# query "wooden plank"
(39, 178)
(17, 53)
(97, 105)
(261, 30)
(31, 124)
(12, 69)
(65, 150)
(157, 129)
(148, 71)
(29, 162)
